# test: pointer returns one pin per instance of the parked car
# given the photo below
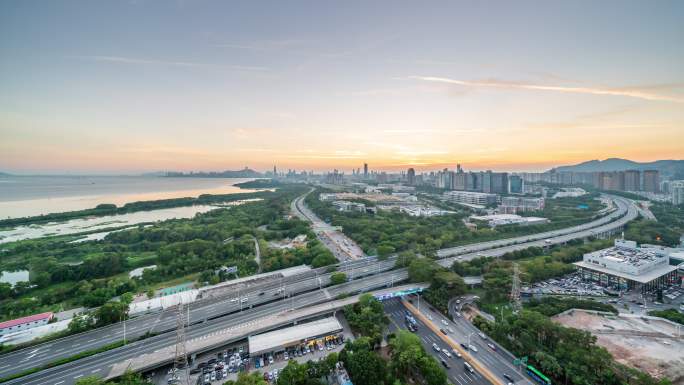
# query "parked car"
(436, 348)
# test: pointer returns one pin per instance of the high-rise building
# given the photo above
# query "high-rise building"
(411, 176)
(632, 182)
(365, 170)
(677, 189)
(515, 184)
(651, 180)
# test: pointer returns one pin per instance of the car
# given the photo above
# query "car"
(207, 377)
(468, 367)
(436, 348)
(473, 348)
(491, 346)
(270, 360)
(443, 331)
(212, 361)
(444, 363)
(195, 371)
(457, 314)
(244, 299)
(445, 323)
(464, 345)
(446, 353)
(482, 335)
(256, 364)
(450, 330)
(286, 356)
(429, 317)
(212, 376)
(262, 293)
(456, 353)
(509, 378)
(234, 299)
(201, 365)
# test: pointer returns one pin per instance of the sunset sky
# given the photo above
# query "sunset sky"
(136, 86)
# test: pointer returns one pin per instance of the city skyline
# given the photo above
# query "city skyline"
(122, 88)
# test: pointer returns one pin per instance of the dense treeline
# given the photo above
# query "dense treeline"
(259, 183)
(671, 314)
(392, 231)
(65, 274)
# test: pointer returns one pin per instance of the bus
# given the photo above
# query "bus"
(537, 375)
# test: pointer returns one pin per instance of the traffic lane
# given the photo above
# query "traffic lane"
(456, 373)
(498, 361)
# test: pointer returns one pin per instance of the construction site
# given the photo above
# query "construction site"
(653, 345)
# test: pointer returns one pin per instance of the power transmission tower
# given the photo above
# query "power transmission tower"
(181, 360)
(515, 288)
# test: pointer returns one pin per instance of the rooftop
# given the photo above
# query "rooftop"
(23, 320)
(283, 337)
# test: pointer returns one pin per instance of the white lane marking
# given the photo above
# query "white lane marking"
(80, 375)
(57, 383)
(95, 370)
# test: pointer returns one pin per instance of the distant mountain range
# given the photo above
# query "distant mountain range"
(668, 168)
(244, 173)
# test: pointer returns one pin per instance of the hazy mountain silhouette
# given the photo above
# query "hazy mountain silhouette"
(667, 168)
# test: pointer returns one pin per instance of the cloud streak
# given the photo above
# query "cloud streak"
(141, 61)
(637, 92)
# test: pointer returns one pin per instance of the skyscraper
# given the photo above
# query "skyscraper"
(515, 184)
(411, 176)
(365, 170)
(632, 180)
(651, 180)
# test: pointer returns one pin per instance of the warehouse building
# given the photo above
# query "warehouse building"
(24, 323)
(628, 267)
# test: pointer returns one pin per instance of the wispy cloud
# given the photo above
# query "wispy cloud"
(635, 92)
(143, 61)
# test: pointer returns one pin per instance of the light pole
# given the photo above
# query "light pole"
(469, 335)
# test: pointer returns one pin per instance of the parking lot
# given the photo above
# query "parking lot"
(570, 284)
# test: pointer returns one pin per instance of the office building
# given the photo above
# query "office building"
(651, 181)
(515, 184)
(628, 267)
(513, 205)
(365, 170)
(470, 197)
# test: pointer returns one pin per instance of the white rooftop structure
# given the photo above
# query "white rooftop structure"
(509, 219)
(626, 260)
(279, 339)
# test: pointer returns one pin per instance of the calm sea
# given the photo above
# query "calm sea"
(22, 196)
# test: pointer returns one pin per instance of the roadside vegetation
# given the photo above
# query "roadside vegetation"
(670, 314)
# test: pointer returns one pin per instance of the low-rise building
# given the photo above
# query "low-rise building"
(25, 323)
(349, 206)
(509, 219)
(304, 333)
(625, 266)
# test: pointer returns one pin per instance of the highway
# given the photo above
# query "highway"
(343, 247)
(201, 310)
(101, 364)
(214, 310)
(457, 374)
(499, 361)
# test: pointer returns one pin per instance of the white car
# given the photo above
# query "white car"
(482, 335)
(445, 322)
(473, 348)
(456, 353)
(446, 353)
(450, 330)
(436, 348)
(245, 299)
(429, 317)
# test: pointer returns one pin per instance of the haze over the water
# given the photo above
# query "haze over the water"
(120, 87)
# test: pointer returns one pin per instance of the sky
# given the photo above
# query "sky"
(138, 86)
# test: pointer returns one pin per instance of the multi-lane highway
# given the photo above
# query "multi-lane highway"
(102, 363)
(456, 373)
(200, 311)
(214, 309)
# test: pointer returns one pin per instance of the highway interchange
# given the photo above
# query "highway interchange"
(304, 289)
